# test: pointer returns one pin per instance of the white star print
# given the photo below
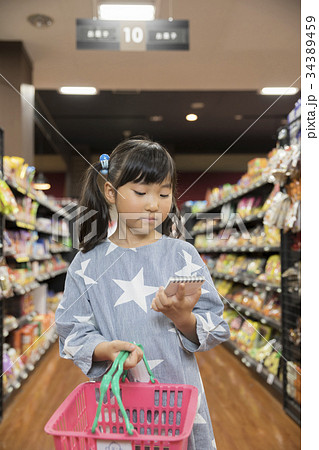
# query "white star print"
(135, 290)
(204, 291)
(60, 306)
(113, 247)
(189, 268)
(87, 280)
(207, 325)
(69, 350)
(86, 319)
(154, 363)
(140, 373)
(214, 444)
(199, 418)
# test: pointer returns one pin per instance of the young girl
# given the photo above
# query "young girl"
(114, 286)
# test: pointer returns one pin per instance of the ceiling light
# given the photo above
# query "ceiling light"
(156, 118)
(279, 91)
(41, 183)
(125, 11)
(78, 90)
(40, 20)
(191, 117)
(126, 133)
(238, 117)
(197, 105)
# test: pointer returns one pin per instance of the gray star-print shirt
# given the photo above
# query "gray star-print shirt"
(108, 295)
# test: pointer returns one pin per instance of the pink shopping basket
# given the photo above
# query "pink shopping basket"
(162, 415)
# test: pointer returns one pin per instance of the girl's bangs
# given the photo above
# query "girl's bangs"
(149, 165)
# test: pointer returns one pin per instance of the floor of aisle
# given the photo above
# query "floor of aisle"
(244, 414)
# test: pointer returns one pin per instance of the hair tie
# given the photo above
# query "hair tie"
(104, 160)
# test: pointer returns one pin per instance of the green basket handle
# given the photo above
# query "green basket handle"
(115, 386)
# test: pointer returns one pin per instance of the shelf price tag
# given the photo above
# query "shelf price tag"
(259, 368)
(270, 378)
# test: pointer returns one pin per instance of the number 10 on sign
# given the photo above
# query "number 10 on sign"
(133, 36)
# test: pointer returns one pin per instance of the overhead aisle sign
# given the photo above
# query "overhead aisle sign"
(132, 35)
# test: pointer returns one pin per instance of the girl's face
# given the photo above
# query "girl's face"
(143, 207)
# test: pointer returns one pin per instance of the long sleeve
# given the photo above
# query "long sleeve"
(211, 328)
(76, 325)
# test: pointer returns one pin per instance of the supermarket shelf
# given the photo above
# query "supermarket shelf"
(32, 227)
(66, 250)
(47, 276)
(26, 258)
(247, 220)
(23, 289)
(241, 193)
(23, 320)
(293, 409)
(243, 249)
(254, 366)
(252, 313)
(23, 191)
(236, 279)
(29, 368)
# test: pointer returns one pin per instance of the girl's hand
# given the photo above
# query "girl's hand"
(109, 351)
(178, 307)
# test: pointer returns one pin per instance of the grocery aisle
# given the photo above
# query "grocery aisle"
(245, 415)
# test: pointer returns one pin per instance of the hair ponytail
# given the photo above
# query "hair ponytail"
(97, 211)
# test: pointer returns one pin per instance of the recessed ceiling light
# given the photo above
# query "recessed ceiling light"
(124, 11)
(238, 117)
(126, 133)
(191, 117)
(197, 105)
(40, 20)
(78, 90)
(156, 118)
(279, 91)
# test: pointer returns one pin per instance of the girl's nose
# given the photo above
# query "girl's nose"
(152, 204)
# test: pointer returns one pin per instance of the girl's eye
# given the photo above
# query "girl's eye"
(139, 193)
(164, 196)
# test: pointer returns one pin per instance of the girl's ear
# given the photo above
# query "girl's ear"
(109, 193)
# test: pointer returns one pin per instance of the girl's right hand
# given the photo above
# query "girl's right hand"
(109, 351)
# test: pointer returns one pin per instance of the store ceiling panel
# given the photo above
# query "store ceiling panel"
(234, 45)
(99, 122)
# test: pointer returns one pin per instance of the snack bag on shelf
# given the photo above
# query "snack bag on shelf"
(258, 299)
(262, 352)
(272, 235)
(272, 307)
(8, 203)
(255, 267)
(247, 335)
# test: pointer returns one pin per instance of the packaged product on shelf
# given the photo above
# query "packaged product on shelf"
(272, 362)
(263, 351)
(272, 271)
(18, 172)
(247, 335)
(44, 224)
(255, 267)
(234, 326)
(272, 307)
(6, 288)
(294, 381)
(223, 287)
(8, 203)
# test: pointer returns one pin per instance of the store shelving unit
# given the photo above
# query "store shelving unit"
(291, 302)
(54, 279)
(261, 188)
(1, 253)
(285, 172)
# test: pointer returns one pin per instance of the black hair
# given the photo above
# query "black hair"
(137, 159)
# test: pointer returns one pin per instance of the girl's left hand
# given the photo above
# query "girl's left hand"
(177, 306)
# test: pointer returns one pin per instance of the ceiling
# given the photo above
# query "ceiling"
(236, 48)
